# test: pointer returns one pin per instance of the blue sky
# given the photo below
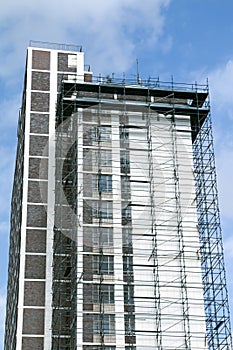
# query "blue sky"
(187, 39)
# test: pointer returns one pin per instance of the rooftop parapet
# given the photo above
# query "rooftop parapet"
(55, 46)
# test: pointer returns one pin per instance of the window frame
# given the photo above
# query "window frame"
(108, 324)
(102, 236)
(101, 133)
(125, 184)
(106, 291)
(102, 158)
(128, 294)
(127, 264)
(105, 267)
(129, 324)
(102, 210)
(125, 161)
(102, 183)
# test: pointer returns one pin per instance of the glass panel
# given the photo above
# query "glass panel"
(106, 322)
(128, 294)
(103, 264)
(101, 133)
(103, 293)
(103, 236)
(102, 183)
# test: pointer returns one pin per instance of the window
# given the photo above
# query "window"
(103, 264)
(124, 133)
(126, 213)
(106, 158)
(124, 136)
(101, 133)
(127, 264)
(104, 324)
(108, 324)
(124, 159)
(103, 293)
(129, 324)
(102, 183)
(127, 237)
(103, 236)
(125, 184)
(102, 158)
(72, 61)
(105, 210)
(128, 294)
(102, 210)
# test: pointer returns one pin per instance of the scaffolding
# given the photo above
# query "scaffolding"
(132, 236)
(154, 254)
(211, 250)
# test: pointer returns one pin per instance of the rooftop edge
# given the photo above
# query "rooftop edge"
(55, 46)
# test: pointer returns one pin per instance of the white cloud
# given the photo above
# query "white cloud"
(221, 83)
(110, 31)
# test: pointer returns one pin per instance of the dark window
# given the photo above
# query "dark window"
(40, 81)
(126, 213)
(129, 324)
(33, 321)
(102, 183)
(105, 324)
(40, 60)
(101, 133)
(124, 160)
(127, 264)
(102, 158)
(39, 123)
(103, 293)
(103, 264)
(103, 236)
(127, 237)
(128, 294)
(102, 210)
(125, 184)
(124, 136)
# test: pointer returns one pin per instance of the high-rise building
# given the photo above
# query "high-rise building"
(115, 236)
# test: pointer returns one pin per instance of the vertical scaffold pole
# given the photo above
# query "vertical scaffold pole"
(154, 254)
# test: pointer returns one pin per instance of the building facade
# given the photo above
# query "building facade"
(115, 234)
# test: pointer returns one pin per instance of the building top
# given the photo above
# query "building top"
(55, 46)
